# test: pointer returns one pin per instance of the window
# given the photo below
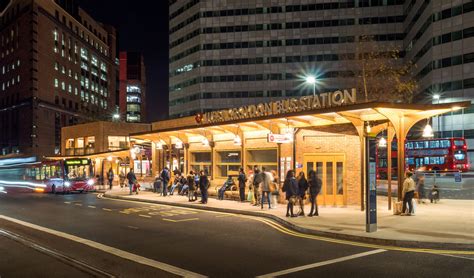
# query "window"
(228, 163)
(445, 144)
(459, 143)
(118, 142)
(133, 99)
(201, 161)
(459, 155)
(262, 158)
(133, 108)
(63, 85)
(56, 82)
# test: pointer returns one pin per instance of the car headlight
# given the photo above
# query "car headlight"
(90, 182)
(66, 183)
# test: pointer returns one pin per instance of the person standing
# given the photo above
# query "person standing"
(302, 187)
(257, 179)
(267, 178)
(314, 184)
(131, 179)
(165, 177)
(290, 187)
(420, 188)
(203, 186)
(408, 192)
(242, 180)
(191, 186)
(110, 178)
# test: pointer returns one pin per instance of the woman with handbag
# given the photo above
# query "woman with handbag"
(290, 187)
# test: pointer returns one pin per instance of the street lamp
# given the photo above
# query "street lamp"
(310, 79)
(428, 130)
(116, 116)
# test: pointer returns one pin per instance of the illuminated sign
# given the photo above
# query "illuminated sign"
(279, 138)
(305, 103)
(77, 162)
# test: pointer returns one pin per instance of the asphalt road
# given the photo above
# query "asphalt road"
(206, 243)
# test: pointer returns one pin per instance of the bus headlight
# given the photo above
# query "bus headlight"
(66, 183)
(90, 182)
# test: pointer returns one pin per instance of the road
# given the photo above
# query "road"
(130, 239)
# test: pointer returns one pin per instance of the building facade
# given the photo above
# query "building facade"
(57, 69)
(132, 87)
(230, 53)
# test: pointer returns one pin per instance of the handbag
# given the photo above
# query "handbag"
(250, 196)
(272, 187)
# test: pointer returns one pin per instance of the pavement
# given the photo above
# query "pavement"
(134, 239)
(448, 224)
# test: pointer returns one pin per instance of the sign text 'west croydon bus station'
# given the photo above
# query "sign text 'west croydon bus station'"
(320, 101)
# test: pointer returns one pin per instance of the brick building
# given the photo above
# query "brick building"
(58, 68)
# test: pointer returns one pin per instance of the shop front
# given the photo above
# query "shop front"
(325, 133)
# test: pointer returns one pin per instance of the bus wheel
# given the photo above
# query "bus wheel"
(80, 192)
(53, 189)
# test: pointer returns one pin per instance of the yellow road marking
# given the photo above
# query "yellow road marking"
(106, 209)
(220, 216)
(284, 230)
(91, 207)
(181, 220)
(147, 216)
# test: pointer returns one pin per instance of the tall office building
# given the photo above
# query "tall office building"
(57, 69)
(231, 53)
(132, 87)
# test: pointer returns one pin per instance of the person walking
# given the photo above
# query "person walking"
(122, 179)
(131, 180)
(267, 178)
(420, 188)
(203, 186)
(302, 187)
(314, 184)
(165, 177)
(257, 179)
(242, 180)
(191, 186)
(290, 187)
(408, 192)
(110, 178)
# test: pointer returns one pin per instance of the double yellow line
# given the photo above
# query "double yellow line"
(289, 232)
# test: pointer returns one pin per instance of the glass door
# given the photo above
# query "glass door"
(330, 170)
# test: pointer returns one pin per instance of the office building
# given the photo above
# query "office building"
(132, 87)
(57, 69)
(232, 53)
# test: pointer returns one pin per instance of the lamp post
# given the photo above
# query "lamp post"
(312, 81)
(437, 98)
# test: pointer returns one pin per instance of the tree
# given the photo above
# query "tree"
(382, 74)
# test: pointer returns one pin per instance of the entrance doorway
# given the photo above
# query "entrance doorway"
(330, 169)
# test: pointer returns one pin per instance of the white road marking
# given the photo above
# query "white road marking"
(333, 261)
(109, 249)
(67, 203)
(142, 215)
(78, 205)
(106, 209)
(91, 207)
(133, 227)
(180, 220)
(459, 257)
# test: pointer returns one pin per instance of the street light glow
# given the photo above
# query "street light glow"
(311, 79)
(436, 96)
(116, 116)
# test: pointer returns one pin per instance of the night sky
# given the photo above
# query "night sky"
(142, 26)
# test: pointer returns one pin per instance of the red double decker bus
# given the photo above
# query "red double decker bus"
(442, 154)
(54, 176)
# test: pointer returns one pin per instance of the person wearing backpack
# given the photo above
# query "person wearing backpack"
(203, 186)
(314, 188)
(242, 180)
